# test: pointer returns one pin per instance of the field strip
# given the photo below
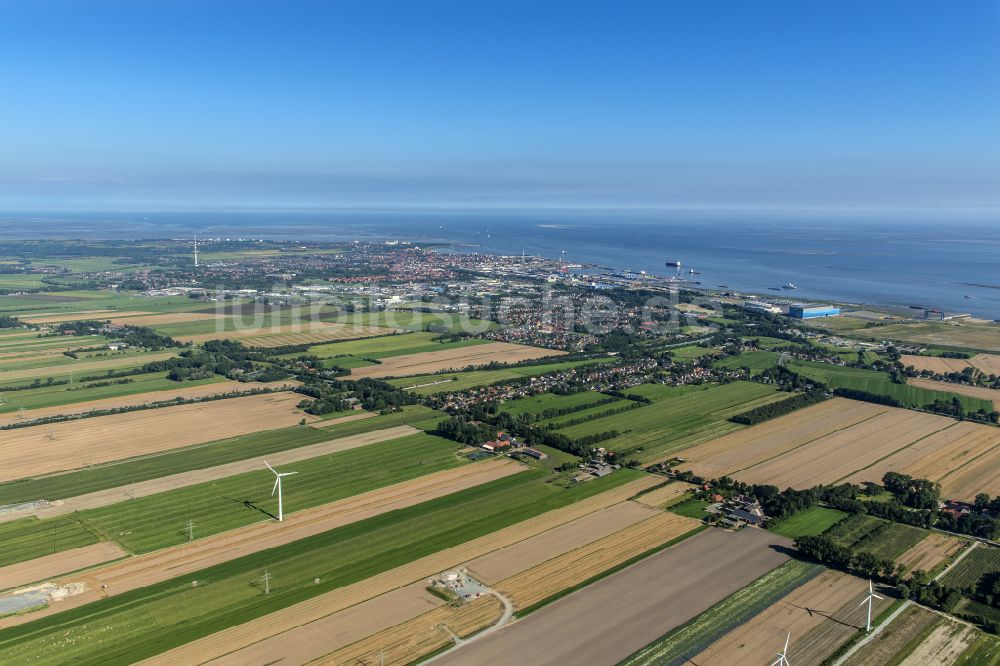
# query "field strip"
(85, 366)
(981, 474)
(235, 638)
(357, 416)
(161, 565)
(306, 332)
(961, 389)
(57, 447)
(82, 315)
(194, 477)
(515, 558)
(610, 619)
(456, 358)
(661, 496)
(799, 612)
(161, 319)
(893, 453)
(316, 639)
(931, 551)
(182, 391)
(56, 564)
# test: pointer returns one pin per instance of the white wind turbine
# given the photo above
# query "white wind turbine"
(277, 488)
(782, 659)
(868, 600)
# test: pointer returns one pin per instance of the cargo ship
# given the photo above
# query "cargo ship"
(673, 264)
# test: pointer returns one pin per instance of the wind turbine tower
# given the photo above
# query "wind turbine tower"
(782, 659)
(196, 250)
(277, 488)
(868, 600)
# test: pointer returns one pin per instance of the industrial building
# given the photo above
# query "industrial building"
(806, 311)
(761, 306)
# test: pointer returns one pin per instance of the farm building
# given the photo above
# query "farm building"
(804, 311)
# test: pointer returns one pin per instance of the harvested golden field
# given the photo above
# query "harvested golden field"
(311, 610)
(961, 389)
(988, 363)
(133, 319)
(981, 475)
(276, 336)
(182, 391)
(565, 571)
(934, 549)
(453, 359)
(97, 315)
(840, 454)
(660, 497)
(69, 445)
(510, 560)
(937, 455)
(935, 364)
(85, 367)
(407, 642)
(803, 609)
(47, 566)
(744, 448)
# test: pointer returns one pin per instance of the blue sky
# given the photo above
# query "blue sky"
(846, 104)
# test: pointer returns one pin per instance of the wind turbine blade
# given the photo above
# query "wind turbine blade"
(287, 473)
(863, 602)
(787, 638)
(276, 482)
(878, 597)
(269, 467)
(776, 662)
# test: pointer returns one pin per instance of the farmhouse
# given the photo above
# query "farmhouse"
(743, 510)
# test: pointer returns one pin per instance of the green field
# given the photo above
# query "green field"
(810, 522)
(537, 404)
(691, 508)
(28, 538)
(691, 352)
(21, 281)
(459, 381)
(681, 645)
(83, 481)
(836, 376)
(592, 413)
(756, 361)
(158, 521)
(413, 321)
(679, 417)
(66, 394)
(386, 346)
(132, 626)
(966, 573)
(881, 538)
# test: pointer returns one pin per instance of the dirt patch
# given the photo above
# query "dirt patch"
(319, 607)
(182, 391)
(745, 448)
(609, 620)
(505, 562)
(961, 389)
(163, 484)
(838, 455)
(934, 549)
(453, 359)
(70, 445)
(56, 564)
(803, 609)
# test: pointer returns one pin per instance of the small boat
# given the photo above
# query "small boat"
(789, 286)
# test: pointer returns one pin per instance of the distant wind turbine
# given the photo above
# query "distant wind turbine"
(782, 659)
(868, 600)
(277, 488)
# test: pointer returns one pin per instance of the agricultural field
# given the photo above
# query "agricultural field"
(681, 644)
(691, 352)
(460, 381)
(453, 359)
(123, 631)
(67, 445)
(286, 334)
(919, 637)
(81, 369)
(810, 522)
(756, 361)
(981, 560)
(932, 552)
(386, 346)
(979, 392)
(411, 320)
(536, 405)
(624, 612)
(859, 379)
(972, 335)
(678, 417)
(28, 538)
